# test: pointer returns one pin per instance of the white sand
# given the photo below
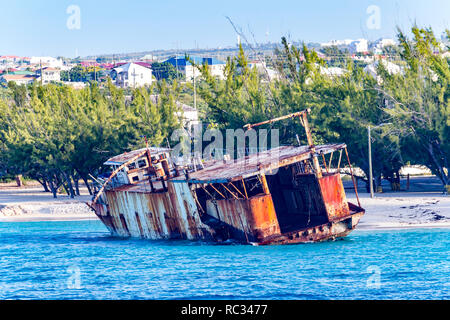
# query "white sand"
(404, 210)
(32, 204)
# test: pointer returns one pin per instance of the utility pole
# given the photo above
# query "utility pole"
(195, 93)
(370, 163)
(176, 59)
(40, 63)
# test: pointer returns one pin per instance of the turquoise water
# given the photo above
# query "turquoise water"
(79, 260)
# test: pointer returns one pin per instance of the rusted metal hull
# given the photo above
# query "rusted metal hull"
(156, 217)
(281, 195)
(324, 232)
(291, 206)
(164, 215)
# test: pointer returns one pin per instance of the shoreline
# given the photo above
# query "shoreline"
(34, 205)
(82, 217)
(52, 218)
(403, 227)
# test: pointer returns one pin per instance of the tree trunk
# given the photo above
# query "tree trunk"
(77, 185)
(44, 184)
(70, 192)
(19, 180)
(439, 168)
(86, 182)
(377, 185)
(53, 188)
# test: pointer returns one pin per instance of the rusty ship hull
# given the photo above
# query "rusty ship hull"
(277, 196)
(265, 199)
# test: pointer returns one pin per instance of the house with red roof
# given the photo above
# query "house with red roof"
(19, 79)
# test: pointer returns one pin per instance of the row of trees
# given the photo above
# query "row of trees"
(410, 110)
(161, 71)
(83, 74)
(58, 135)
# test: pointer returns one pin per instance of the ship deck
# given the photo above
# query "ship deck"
(140, 187)
(242, 168)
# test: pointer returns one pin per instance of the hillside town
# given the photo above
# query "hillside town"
(134, 71)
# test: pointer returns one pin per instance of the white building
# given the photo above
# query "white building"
(75, 85)
(49, 75)
(189, 71)
(337, 43)
(358, 46)
(390, 67)
(353, 46)
(132, 75)
(189, 114)
(47, 61)
(333, 72)
(382, 43)
(265, 72)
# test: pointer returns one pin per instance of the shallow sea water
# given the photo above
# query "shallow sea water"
(80, 260)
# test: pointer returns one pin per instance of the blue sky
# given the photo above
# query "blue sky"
(31, 27)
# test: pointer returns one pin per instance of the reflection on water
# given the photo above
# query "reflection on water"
(80, 260)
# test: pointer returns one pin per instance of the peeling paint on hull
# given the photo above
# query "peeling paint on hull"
(227, 201)
(159, 216)
(324, 232)
(166, 215)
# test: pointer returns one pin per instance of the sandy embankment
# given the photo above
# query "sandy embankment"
(31, 204)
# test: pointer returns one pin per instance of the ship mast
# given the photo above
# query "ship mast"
(303, 117)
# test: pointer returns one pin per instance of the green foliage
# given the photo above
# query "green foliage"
(58, 135)
(418, 102)
(335, 56)
(164, 71)
(408, 112)
(82, 74)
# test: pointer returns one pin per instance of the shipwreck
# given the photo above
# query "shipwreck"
(286, 195)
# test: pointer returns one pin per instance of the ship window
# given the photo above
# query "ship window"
(142, 163)
(132, 166)
(136, 178)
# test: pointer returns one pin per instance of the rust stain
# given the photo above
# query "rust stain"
(164, 215)
(324, 232)
(264, 217)
(334, 196)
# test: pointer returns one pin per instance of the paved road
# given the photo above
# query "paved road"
(417, 184)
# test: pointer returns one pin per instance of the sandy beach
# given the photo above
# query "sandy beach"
(32, 204)
(422, 207)
(404, 210)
